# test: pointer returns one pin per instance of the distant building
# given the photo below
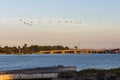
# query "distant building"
(116, 50)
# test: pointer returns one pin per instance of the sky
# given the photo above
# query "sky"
(90, 23)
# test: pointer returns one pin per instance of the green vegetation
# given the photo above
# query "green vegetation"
(25, 49)
(29, 49)
(100, 70)
(92, 74)
(99, 74)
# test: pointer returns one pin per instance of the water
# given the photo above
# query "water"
(81, 61)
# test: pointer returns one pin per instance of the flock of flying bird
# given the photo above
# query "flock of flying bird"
(50, 21)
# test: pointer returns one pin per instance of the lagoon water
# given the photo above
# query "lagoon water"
(81, 61)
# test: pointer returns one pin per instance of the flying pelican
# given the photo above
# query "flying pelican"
(80, 22)
(24, 22)
(66, 21)
(50, 21)
(31, 22)
(28, 24)
(59, 21)
(70, 21)
(20, 20)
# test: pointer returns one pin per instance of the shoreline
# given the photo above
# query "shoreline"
(57, 53)
(62, 73)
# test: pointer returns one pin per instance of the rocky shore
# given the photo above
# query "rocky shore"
(91, 74)
(60, 73)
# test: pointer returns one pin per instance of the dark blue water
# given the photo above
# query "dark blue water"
(81, 61)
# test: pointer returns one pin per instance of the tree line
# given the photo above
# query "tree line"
(29, 49)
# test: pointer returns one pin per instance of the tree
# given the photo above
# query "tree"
(76, 47)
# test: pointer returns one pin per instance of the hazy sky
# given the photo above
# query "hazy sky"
(100, 27)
